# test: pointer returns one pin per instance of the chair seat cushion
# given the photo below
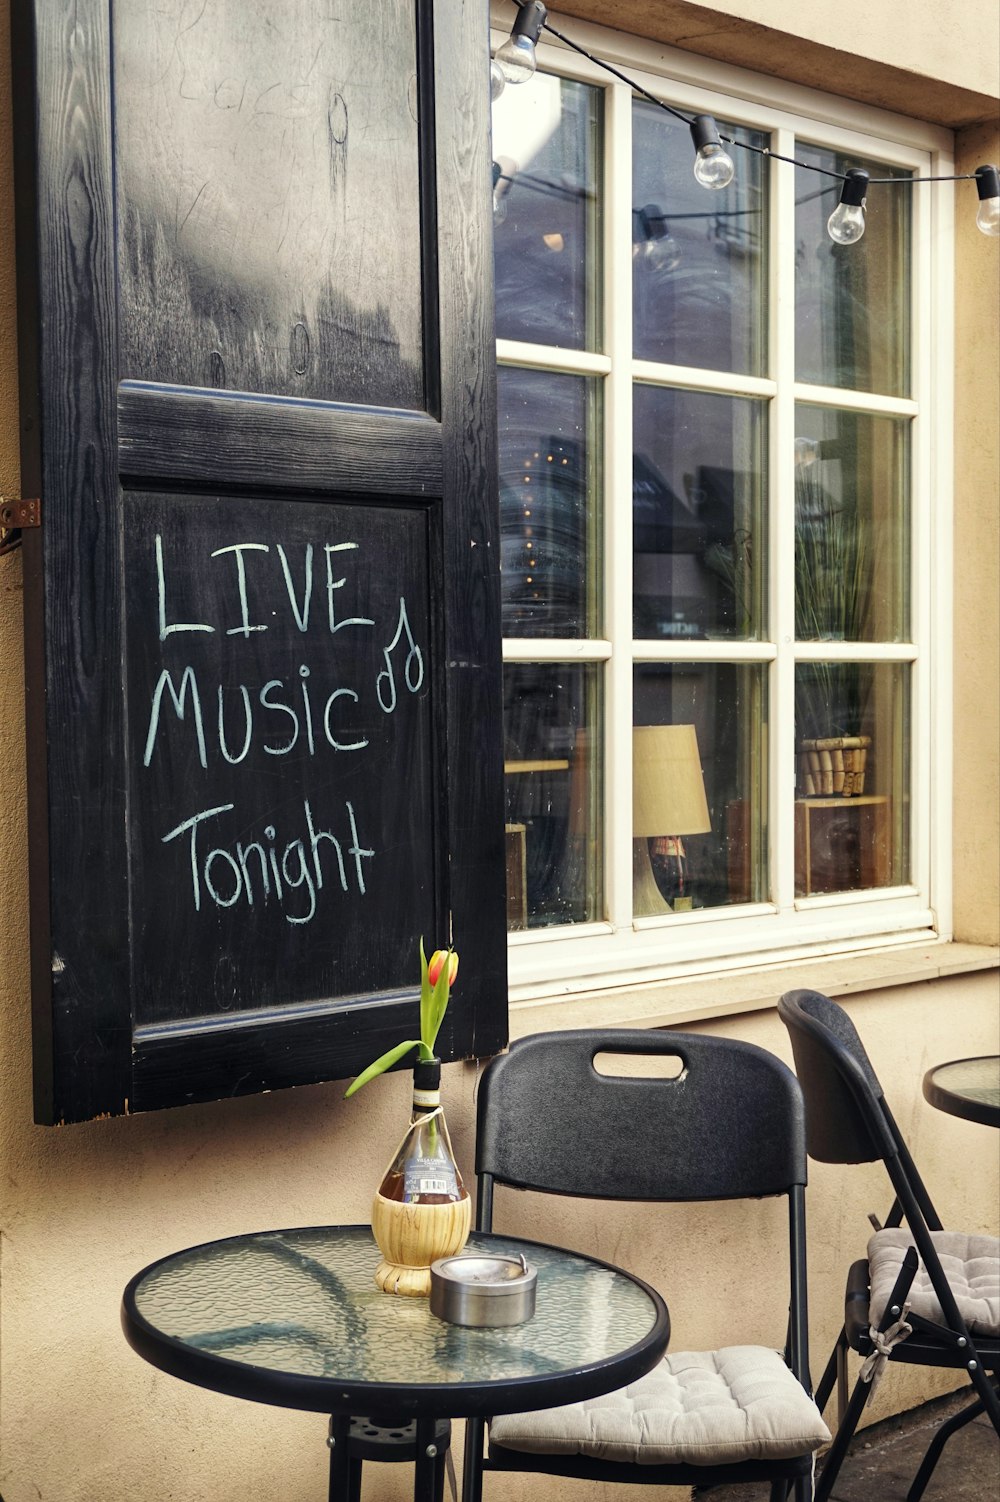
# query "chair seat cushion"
(970, 1263)
(695, 1408)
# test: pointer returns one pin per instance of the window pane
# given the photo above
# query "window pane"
(546, 144)
(552, 761)
(852, 322)
(852, 788)
(699, 786)
(550, 503)
(698, 257)
(852, 526)
(698, 488)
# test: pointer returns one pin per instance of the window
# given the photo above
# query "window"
(723, 478)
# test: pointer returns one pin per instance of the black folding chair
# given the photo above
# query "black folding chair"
(729, 1126)
(935, 1315)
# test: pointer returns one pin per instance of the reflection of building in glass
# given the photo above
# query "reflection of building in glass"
(551, 779)
(543, 535)
(544, 222)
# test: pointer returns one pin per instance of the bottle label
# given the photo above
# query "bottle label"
(429, 1176)
(426, 1099)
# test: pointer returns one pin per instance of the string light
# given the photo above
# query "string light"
(651, 238)
(497, 80)
(516, 58)
(846, 224)
(988, 188)
(713, 166)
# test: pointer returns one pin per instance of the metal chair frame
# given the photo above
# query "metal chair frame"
(849, 1121)
(731, 1126)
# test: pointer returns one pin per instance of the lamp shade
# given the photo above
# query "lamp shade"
(668, 789)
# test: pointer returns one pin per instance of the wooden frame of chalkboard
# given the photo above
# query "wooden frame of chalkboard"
(262, 617)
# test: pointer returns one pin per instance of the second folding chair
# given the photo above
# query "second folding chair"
(924, 1295)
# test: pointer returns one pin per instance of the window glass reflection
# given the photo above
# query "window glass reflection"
(852, 324)
(852, 532)
(546, 153)
(698, 255)
(552, 765)
(852, 755)
(699, 481)
(699, 786)
(550, 509)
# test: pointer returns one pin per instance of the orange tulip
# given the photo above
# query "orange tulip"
(436, 964)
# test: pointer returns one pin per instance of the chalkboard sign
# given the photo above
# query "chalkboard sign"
(262, 613)
(281, 758)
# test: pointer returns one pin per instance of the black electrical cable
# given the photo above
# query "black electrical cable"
(731, 140)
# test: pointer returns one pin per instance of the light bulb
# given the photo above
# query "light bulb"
(713, 167)
(846, 224)
(662, 254)
(988, 188)
(516, 58)
(500, 186)
(497, 80)
(806, 452)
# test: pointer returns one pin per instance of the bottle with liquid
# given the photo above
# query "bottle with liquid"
(424, 1171)
(422, 1210)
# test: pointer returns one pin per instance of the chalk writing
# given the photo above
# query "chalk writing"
(221, 714)
(161, 596)
(251, 871)
(413, 669)
(274, 696)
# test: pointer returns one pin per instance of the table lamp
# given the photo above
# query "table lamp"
(668, 802)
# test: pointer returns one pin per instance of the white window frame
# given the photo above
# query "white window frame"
(622, 951)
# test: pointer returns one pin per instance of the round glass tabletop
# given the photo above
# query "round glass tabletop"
(294, 1318)
(969, 1088)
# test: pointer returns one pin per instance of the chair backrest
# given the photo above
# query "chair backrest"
(730, 1125)
(846, 1117)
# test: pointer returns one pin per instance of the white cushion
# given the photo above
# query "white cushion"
(695, 1408)
(970, 1263)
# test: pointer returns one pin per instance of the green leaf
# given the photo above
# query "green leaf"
(383, 1063)
(425, 999)
(439, 1002)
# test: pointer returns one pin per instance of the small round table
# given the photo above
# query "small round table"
(293, 1318)
(969, 1088)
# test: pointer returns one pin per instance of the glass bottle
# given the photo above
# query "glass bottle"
(424, 1171)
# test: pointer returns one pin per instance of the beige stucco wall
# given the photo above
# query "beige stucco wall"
(941, 64)
(977, 561)
(82, 1419)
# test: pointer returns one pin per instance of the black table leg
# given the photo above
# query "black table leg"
(343, 1478)
(429, 1464)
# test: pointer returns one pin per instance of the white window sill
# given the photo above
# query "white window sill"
(753, 989)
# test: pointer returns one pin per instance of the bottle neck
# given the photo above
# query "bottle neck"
(426, 1086)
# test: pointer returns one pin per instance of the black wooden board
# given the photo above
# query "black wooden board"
(262, 614)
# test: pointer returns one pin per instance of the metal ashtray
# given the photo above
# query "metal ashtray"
(478, 1289)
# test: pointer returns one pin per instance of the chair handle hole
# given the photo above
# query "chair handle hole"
(639, 1066)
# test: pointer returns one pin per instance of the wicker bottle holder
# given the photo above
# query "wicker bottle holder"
(411, 1237)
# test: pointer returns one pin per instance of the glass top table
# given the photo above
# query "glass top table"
(293, 1318)
(969, 1088)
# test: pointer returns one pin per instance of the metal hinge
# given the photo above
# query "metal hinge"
(15, 516)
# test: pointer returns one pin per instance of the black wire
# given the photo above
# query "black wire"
(638, 89)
